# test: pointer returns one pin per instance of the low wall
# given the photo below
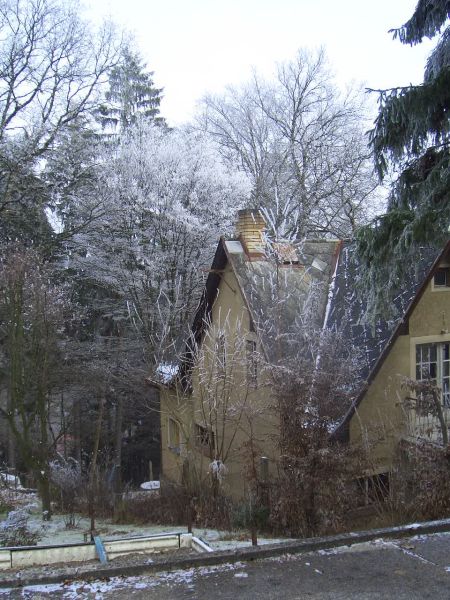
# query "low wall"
(25, 556)
(47, 555)
(141, 545)
(5, 559)
(200, 546)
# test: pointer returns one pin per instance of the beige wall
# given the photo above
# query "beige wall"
(380, 417)
(247, 408)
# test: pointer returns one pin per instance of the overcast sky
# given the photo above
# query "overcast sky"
(199, 46)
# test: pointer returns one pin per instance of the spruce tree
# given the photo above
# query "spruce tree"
(131, 94)
(411, 135)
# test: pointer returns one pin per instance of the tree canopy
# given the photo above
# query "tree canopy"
(131, 94)
(410, 139)
(301, 142)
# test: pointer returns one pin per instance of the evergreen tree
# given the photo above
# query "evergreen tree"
(131, 94)
(411, 134)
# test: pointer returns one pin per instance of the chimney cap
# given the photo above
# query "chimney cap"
(250, 211)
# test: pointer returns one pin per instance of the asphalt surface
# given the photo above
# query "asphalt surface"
(407, 569)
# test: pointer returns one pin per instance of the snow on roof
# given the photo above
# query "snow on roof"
(234, 247)
(166, 372)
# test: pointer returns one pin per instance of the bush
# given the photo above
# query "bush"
(5, 505)
(167, 507)
(170, 507)
(14, 530)
(66, 476)
(421, 482)
(244, 516)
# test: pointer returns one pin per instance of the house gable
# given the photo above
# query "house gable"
(374, 342)
(380, 414)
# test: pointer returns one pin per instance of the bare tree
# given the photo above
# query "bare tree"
(311, 373)
(166, 195)
(52, 67)
(217, 422)
(302, 143)
(32, 323)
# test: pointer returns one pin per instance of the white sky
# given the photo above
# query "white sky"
(199, 46)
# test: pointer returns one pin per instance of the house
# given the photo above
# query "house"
(261, 302)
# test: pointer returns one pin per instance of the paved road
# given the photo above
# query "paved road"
(417, 568)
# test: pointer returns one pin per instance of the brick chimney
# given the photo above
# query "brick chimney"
(249, 228)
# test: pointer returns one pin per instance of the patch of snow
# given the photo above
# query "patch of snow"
(234, 247)
(166, 372)
(318, 264)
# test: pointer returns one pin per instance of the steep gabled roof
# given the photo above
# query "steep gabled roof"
(374, 341)
(279, 292)
(285, 291)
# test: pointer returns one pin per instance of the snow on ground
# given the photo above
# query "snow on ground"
(96, 589)
(222, 540)
(55, 531)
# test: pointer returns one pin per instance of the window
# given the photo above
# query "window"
(204, 437)
(252, 363)
(433, 363)
(173, 435)
(221, 355)
(441, 278)
(373, 489)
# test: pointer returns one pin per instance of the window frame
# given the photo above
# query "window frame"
(443, 268)
(441, 361)
(173, 424)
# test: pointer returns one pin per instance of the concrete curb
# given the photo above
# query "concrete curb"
(231, 556)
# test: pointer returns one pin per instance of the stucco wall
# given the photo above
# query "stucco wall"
(249, 407)
(380, 415)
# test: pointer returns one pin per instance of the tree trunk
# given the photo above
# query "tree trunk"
(44, 493)
(254, 534)
(93, 483)
(118, 446)
(77, 429)
(11, 447)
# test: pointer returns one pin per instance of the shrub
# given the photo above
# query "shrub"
(244, 516)
(166, 507)
(66, 476)
(14, 530)
(421, 482)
